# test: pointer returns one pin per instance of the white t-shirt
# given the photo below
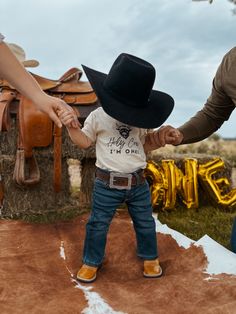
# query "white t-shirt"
(119, 147)
(1, 37)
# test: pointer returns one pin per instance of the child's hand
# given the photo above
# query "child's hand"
(66, 117)
(152, 140)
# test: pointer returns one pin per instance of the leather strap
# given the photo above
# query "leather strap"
(35, 130)
(1, 193)
(57, 155)
(57, 158)
(6, 97)
(25, 166)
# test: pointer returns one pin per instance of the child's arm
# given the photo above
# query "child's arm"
(151, 142)
(77, 136)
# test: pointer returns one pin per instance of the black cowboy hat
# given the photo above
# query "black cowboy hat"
(126, 92)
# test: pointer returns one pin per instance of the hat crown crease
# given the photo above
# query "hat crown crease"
(130, 79)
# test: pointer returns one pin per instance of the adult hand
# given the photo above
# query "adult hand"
(51, 105)
(168, 135)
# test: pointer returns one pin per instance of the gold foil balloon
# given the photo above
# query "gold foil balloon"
(154, 174)
(171, 182)
(217, 188)
(164, 183)
(167, 180)
(190, 183)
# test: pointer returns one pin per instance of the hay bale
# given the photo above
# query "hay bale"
(88, 173)
(41, 199)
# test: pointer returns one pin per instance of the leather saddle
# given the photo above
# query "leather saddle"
(36, 129)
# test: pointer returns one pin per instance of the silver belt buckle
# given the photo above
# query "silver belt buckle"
(113, 185)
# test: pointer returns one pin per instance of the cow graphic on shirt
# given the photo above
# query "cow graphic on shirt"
(124, 130)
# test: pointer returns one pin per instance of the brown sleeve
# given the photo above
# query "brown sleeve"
(219, 105)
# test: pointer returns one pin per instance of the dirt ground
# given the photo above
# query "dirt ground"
(37, 278)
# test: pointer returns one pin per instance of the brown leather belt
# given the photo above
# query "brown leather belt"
(121, 180)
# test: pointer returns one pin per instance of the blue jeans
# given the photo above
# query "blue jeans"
(233, 237)
(104, 203)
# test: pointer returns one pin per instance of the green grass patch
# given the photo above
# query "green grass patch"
(195, 223)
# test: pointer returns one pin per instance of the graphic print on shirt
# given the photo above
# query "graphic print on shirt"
(123, 143)
(124, 130)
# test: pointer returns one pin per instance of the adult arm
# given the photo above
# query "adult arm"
(14, 72)
(215, 112)
(219, 105)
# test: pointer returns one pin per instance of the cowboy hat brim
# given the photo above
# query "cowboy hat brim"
(20, 55)
(30, 63)
(152, 115)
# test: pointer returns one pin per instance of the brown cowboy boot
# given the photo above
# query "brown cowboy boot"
(87, 273)
(152, 268)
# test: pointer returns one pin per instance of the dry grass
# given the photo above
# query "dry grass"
(224, 148)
